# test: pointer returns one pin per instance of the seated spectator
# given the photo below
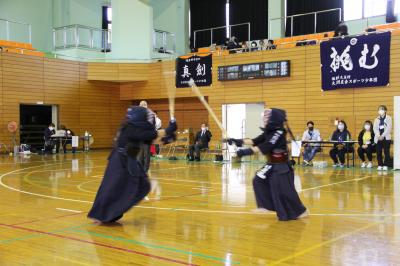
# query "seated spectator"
(245, 47)
(48, 142)
(370, 30)
(270, 45)
(226, 42)
(339, 149)
(262, 45)
(310, 149)
(232, 44)
(201, 140)
(306, 42)
(366, 144)
(341, 30)
(254, 46)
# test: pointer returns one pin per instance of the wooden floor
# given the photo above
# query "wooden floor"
(198, 214)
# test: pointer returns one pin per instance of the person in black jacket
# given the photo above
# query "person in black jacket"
(48, 142)
(125, 182)
(274, 183)
(341, 30)
(339, 149)
(366, 144)
(201, 140)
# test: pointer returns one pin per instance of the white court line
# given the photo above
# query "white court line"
(182, 209)
(68, 210)
(336, 183)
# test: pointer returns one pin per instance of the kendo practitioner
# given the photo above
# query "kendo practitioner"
(125, 182)
(274, 183)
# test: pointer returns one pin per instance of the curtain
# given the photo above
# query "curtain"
(305, 24)
(255, 12)
(390, 16)
(104, 18)
(207, 14)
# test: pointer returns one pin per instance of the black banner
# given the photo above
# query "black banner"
(198, 68)
(355, 62)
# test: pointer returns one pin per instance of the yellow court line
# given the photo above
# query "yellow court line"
(27, 180)
(316, 246)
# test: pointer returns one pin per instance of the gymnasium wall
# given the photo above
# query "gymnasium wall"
(83, 105)
(299, 94)
(189, 112)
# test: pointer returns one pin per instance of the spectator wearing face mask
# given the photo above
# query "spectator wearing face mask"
(339, 149)
(366, 144)
(202, 138)
(383, 138)
(48, 142)
(310, 149)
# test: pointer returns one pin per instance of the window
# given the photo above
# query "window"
(374, 8)
(397, 7)
(359, 9)
(353, 9)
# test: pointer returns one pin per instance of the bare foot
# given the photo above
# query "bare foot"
(261, 210)
(304, 215)
(97, 221)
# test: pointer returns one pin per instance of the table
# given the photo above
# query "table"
(87, 140)
(330, 143)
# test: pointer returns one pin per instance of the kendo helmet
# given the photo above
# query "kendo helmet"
(274, 118)
(140, 117)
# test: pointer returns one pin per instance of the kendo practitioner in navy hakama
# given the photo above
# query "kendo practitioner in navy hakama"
(125, 181)
(274, 183)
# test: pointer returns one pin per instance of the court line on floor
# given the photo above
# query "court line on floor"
(11, 240)
(316, 246)
(97, 244)
(68, 210)
(163, 208)
(171, 249)
(336, 183)
(51, 218)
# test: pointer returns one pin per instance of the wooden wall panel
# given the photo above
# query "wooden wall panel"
(118, 72)
(3, 130)
(189, 112)
(83, 105)
(61, 86)
(300, 94)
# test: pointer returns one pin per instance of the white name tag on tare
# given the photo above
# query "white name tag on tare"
(75, 141)
(381, 127)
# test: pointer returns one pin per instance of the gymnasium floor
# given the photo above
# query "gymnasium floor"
(198, 214)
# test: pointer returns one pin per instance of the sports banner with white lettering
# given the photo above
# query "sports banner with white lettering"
(198, 68)
(354, 62)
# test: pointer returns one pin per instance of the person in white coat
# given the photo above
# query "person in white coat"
(383, 137)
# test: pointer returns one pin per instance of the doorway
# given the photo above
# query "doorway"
(242, 120)
(33, 121)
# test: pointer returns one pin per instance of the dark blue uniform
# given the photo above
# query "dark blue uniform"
(125, 181)
(274, 183)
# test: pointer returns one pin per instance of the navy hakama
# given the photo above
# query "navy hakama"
(124, 185)
(275, 191)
